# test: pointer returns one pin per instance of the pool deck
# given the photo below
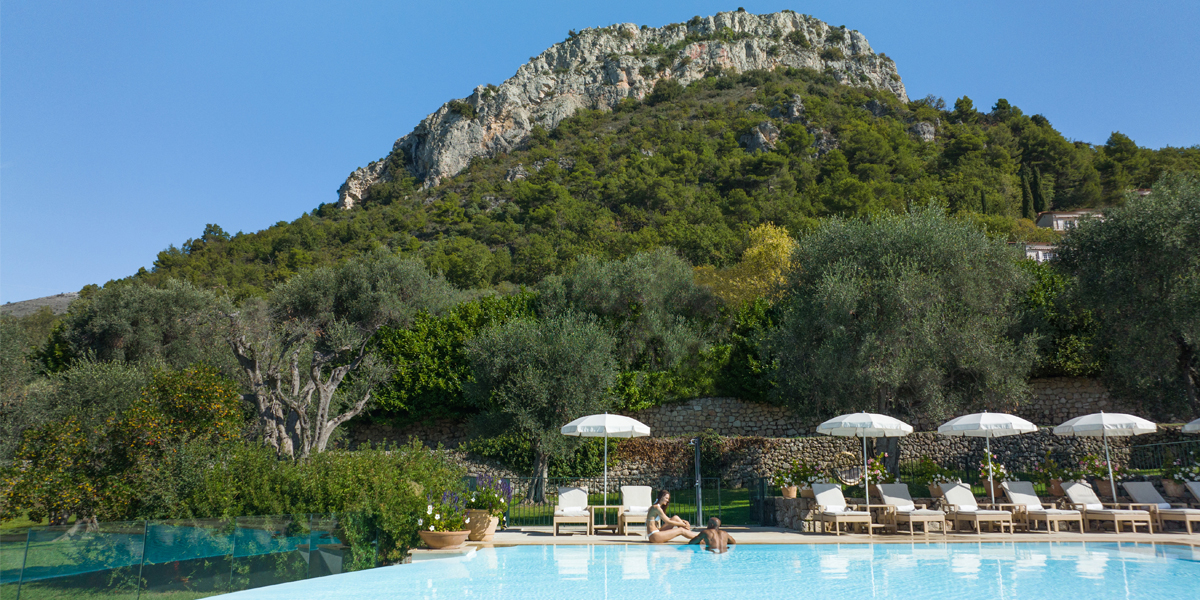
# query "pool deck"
(543, 536)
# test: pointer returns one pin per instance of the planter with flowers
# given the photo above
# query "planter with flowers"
(1176, 475)
(485, 506)
(931, 475)
(878, 473)
(1096, 468)
(1050, 474)
(991, 480)
(797, 480)
(444, 525)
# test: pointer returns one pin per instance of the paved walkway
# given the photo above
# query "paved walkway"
(540, 536)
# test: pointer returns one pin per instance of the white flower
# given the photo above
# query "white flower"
(502, 501)
(468, 519)
(429, 510)
(420, 522)
(431, 527)
(437, 517)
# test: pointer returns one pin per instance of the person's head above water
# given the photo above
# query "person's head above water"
(664, 498)
(714, 523)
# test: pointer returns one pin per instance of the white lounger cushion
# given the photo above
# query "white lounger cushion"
(637, 510)
(974, 510)
(921, 512)
(1179, 511)
(570, 511)
(1051, 511)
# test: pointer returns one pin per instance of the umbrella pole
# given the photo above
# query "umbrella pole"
(1107, 460)
(991, 485)
(866, 480)
(606, 476)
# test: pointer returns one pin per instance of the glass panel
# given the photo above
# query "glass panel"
(270, 550)
(361, 537)
(82, 559)
(325, 546)
(12, 555)
(188, 558)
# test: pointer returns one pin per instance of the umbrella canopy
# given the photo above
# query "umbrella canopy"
(1193, 427)
(1106, 425)
(987, 425)
(865, 425)
(606, 426)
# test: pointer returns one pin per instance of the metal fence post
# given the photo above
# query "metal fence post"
(24, 561)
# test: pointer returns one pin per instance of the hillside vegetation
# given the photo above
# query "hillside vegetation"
(675, 170)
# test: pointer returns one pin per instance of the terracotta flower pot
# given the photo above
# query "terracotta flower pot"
(482, 525)
(1105, 489)
(1056, 488)
(789, 491)
(806, 492)
(935, 490)
(994, 491)
(443, 539)
(1174, 488)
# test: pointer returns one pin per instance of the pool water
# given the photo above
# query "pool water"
(1019, 571)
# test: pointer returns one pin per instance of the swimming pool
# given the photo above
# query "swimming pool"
(1018, 571)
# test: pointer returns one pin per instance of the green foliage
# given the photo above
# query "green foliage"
(462, 107)
(665, 90)
(513, 449)
(429, 361)
(798, 38)
(538, 375)
(1138, 271)
(835, 35)
(907, 315)
(832, 54)
(1067, 333)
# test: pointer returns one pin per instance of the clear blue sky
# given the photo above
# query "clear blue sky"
(127, 126)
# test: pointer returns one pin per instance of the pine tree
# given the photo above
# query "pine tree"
(1026, 196)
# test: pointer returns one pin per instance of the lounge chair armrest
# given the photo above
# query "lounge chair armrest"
(999, 505)
(921, 506)
(1139, 506)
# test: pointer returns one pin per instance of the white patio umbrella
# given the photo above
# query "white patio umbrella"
(1105, 425)
(987, 425)
(606, 426)
(1193, 427)
(865, 425)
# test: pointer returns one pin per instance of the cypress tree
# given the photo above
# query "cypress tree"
(1026, 196)
(982, 202)
(1039, 195)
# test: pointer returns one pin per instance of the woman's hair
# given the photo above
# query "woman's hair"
(663, 501)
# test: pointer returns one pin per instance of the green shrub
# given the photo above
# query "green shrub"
(836, 36)
(665, 90)
(798, 38)
(464, 108)
(832, 54)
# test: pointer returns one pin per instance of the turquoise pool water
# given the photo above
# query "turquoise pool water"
(933, 571)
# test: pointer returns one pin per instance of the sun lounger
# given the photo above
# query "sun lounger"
(900, 508)
(1030, 511)
(831, 508)
(1194, 488)
(635, 503)
(1144, 495)
(572, 508)
(963, 507)
(1083, 498)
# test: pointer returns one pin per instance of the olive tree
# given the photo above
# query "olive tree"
(1138, 270)
(307, 350)
(540, 375)
(903, 314)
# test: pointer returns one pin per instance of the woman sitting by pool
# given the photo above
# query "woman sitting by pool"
(660, 528)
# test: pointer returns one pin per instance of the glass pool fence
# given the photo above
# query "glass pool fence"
(180, 559)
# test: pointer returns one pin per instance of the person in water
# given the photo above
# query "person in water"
(660, 528)
(714, 538)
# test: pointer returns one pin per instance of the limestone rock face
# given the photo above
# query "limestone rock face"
(761, 139)
(597, 68)
(924, 131)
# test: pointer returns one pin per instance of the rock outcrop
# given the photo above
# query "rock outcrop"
(597, 68)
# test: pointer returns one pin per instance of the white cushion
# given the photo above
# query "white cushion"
(570, 511)
(637, 510)
(1052, 511)
(1164, 505)
(835, 508)
(1094, 506)
(906, 507)
(843, 511)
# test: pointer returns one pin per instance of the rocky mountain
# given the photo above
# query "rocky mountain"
(598, 68)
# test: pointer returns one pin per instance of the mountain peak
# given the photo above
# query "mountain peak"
(597, 68)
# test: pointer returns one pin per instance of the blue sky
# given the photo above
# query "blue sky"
(127, 126)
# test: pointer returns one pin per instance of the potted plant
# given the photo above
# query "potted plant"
(485, 506)
(931, 475)
(444, 525)
(1097, 468)
(1050, 474)
(1176, 475)
(783, 481)
(997, 474)
(878, 473)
